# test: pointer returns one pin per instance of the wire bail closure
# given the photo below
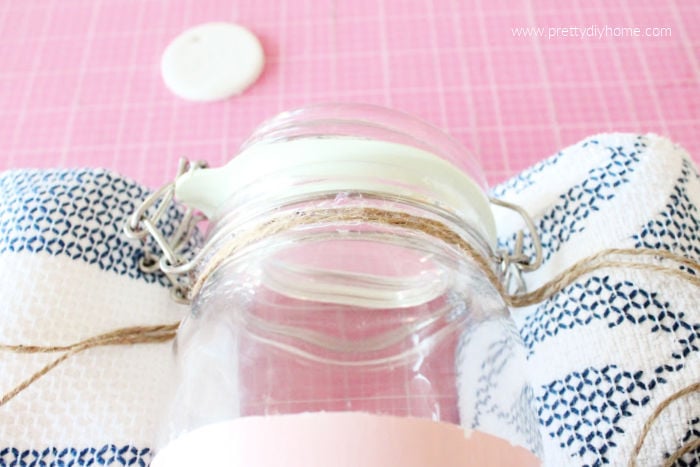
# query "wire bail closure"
(176, 266)
(513, 264)
(140, 225)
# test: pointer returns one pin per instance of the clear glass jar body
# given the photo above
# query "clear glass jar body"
(348, 314)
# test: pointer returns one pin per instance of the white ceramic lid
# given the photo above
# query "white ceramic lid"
(342, 164)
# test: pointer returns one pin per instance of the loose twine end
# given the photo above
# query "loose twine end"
(609, 258)
(123, 336)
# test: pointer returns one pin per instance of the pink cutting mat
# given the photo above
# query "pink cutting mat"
(80, 81)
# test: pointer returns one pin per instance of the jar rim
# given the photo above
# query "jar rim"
(341, 148)
(347, 115)
(310, 166)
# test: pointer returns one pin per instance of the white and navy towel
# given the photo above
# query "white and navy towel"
(608, 349)
(69, 273)
(601, 354)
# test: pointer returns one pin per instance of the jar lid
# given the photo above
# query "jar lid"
(340, 164)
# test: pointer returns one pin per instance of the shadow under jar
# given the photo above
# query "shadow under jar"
(335, 318)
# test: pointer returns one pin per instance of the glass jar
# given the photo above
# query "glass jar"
(333, 305)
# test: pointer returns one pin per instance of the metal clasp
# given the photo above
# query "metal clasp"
(512, 264)
(171, 261)
(144, 222)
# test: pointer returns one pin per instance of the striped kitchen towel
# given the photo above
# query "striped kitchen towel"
(608, 349)
(69, 273)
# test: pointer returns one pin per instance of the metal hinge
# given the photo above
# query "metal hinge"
(144, 222)
(513, 264)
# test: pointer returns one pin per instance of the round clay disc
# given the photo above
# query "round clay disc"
(212, 61)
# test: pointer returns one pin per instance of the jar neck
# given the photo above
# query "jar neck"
(349, 251)
(250, 213)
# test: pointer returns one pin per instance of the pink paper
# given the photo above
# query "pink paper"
(342, 439)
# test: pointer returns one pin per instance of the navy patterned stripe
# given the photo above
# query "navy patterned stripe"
(616, 302)
(108, 454)
(692, 458)
(583, 410)
(677, 228)
(75, 213)
(519, 415)
(566, 218)
(504, 346)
